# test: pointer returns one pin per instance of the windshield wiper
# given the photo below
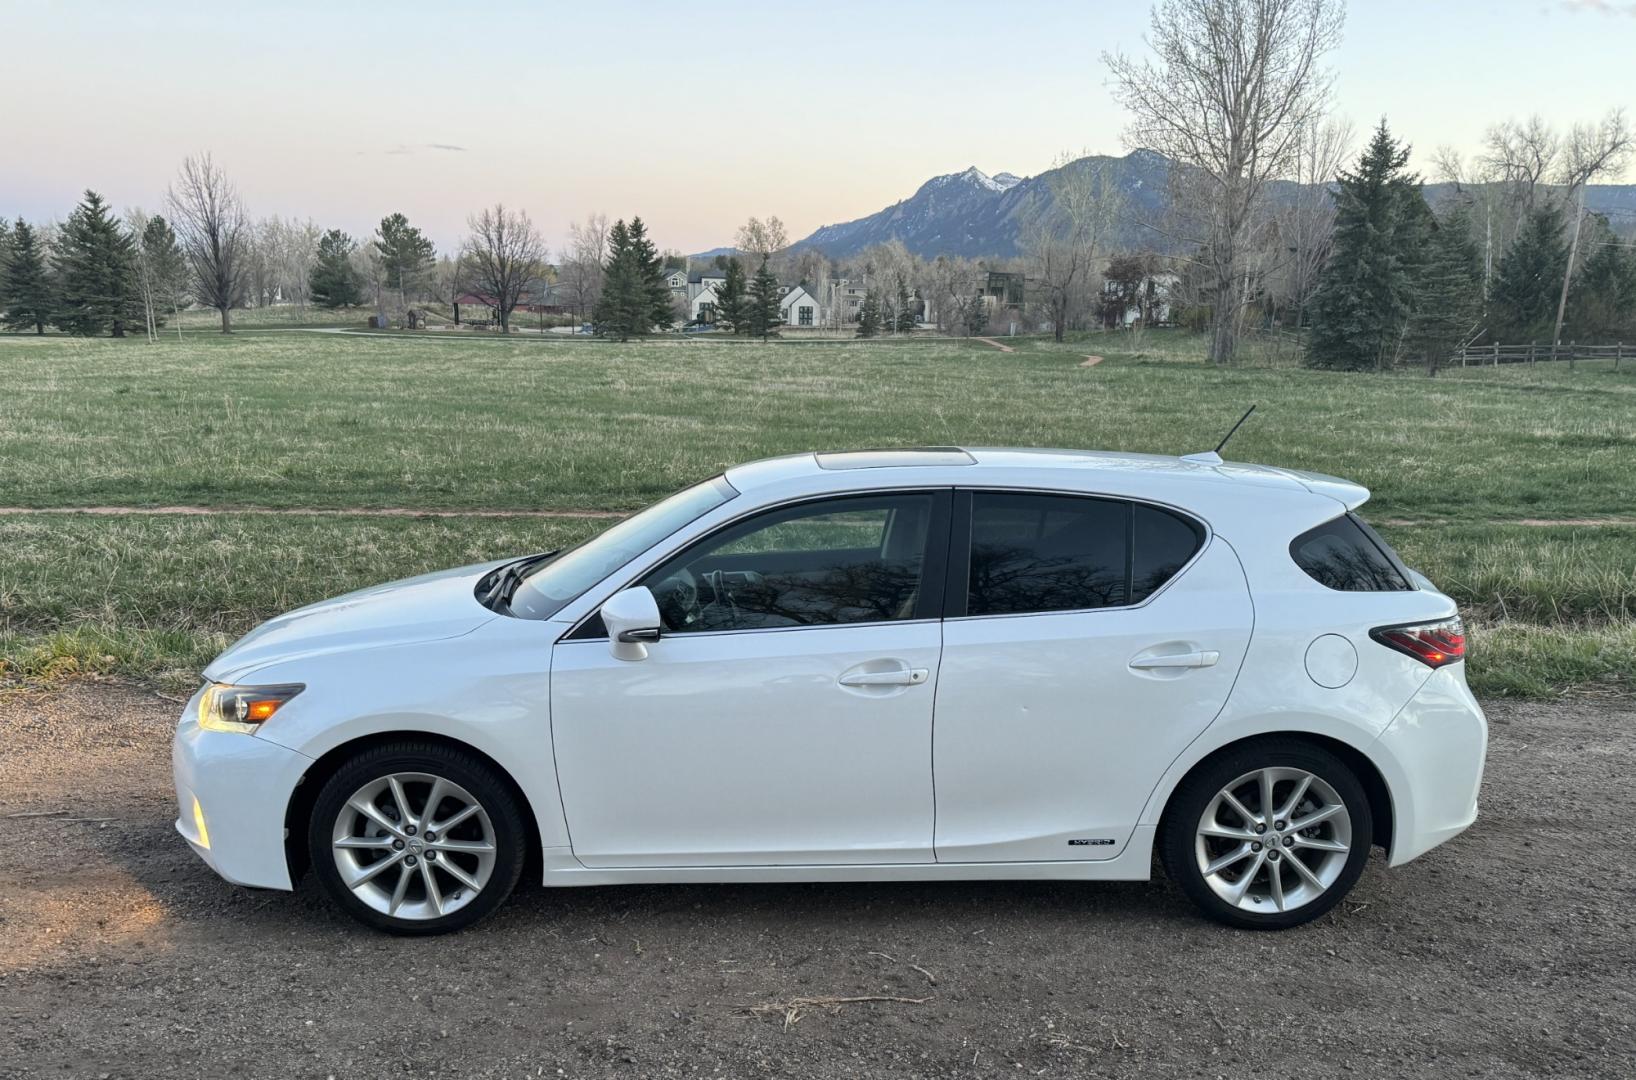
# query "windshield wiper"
(511, 576)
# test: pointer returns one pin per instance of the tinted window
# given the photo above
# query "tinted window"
(1341, 555)
(837, 561)
(1164, 543)
(1046, 553)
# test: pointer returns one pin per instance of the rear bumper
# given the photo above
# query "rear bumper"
(231, 793)
(1432, 756)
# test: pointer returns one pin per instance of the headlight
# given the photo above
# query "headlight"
(242, 708)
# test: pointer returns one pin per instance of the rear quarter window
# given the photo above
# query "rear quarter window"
(1347, 556)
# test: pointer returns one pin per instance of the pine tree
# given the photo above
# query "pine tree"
(30, 295)
(1364, 296)
(905, 321)
(732, 311)
(610, 315)
(1602, 305)
(652, 294)
(334, 283)
(406, 254)
(96, 266)
(1522, 301)
(869, 315)
(764, 313)
(1448, 290)
(635, 298)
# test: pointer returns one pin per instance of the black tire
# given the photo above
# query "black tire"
(504, 820)
(1179, 841)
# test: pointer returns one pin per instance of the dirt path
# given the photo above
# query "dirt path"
(998, 345)
(1508, 953)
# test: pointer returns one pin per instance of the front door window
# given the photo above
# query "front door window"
(835, 562)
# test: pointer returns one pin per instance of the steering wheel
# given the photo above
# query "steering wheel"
(678, 598)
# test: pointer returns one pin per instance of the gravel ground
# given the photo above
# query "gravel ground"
(1509, 952)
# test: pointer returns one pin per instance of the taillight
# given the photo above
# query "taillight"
(1432, 643)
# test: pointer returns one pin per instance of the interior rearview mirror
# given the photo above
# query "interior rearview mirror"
(632, 618)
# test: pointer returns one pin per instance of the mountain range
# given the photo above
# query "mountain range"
(976, 215)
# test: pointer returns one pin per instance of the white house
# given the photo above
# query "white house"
(800, 308)
(701, 306)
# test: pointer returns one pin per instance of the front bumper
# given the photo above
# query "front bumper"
(1432, 756)
(231, 793)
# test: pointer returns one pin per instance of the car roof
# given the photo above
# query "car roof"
(1087, 469)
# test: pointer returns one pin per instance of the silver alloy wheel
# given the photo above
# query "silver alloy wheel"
(414, 846)
(1274, 840)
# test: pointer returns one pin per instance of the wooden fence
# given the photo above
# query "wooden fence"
(1533, 352)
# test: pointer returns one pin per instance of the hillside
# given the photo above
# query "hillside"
(975, 215)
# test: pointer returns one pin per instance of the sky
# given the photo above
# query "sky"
(694, 116)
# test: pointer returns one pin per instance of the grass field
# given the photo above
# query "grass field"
(296, 420)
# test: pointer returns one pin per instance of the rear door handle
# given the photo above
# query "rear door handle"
(899, 677)
(1206, 658)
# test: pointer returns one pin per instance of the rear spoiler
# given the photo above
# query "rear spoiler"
(1345, 492)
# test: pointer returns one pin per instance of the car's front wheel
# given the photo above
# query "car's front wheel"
(417, 838)
(1268, 836)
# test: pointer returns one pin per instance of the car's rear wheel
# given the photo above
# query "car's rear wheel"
(1268, 836)
(417, 838)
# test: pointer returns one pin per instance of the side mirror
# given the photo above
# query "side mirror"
(632, 619)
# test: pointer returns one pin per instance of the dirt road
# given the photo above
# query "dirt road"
(1510, 952)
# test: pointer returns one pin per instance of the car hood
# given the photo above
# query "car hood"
(426, 608)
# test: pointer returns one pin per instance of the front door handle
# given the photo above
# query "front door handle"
(899, 677)
(1206, 658)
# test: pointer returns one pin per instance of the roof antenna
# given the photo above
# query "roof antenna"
(1213, 457)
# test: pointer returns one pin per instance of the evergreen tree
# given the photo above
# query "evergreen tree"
(732, 310)
(30, 295)
(653, 295)
(334, 282)
(1522, 301)
(869, 315)
(1448, 290)
(764, 313)
(406, 254)
(1602, 306)
(96, 267)
(905, 321)
(610, 315)
(635, 298)
(1364, 296)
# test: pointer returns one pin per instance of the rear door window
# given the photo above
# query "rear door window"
(1347, 556)
(1165, 542)
(1046, 553)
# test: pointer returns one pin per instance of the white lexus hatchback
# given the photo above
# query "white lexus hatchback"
(907, 665)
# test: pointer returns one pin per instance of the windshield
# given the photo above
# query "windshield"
(548, 590)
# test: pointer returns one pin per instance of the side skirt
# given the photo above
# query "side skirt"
(1134, 863)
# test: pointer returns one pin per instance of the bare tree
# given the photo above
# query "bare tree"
(1307, 222)
(1590, 151)
(1520, 156)
(147, 276)
(1063, 241)
(505, 254)
(581, 274)
(210, 222)
(760, 240)
(1232, 87)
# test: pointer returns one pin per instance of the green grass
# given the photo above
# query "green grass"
(314, 420)
(295, 419)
